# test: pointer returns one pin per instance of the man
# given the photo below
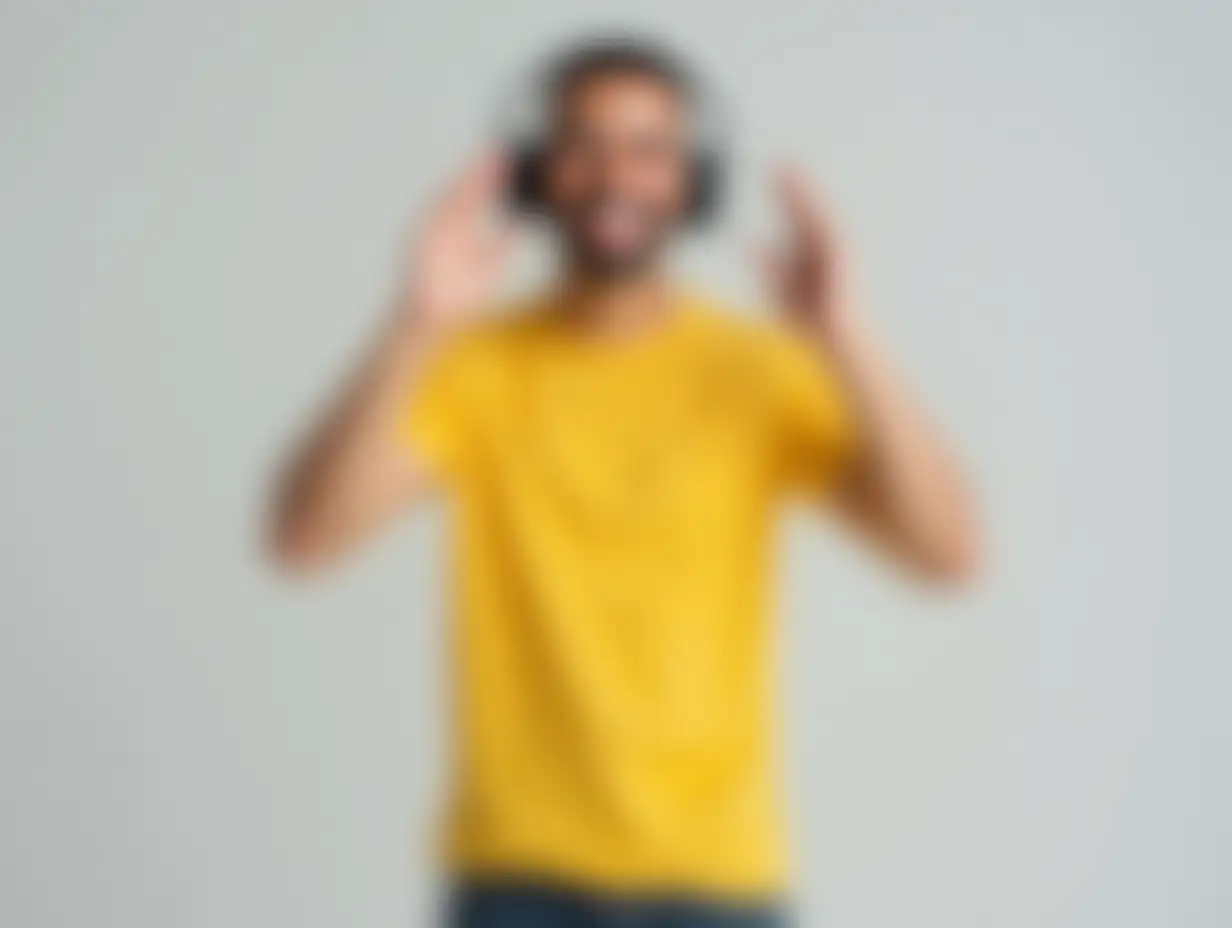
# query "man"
(616, 450)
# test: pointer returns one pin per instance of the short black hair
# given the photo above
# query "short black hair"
(619, 54)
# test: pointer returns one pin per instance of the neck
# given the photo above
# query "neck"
(616, 307)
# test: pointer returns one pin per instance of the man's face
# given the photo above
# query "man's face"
(616, 177)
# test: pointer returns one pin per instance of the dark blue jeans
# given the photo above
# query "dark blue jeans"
(522, 905)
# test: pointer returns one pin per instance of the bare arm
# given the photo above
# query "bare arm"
(352, 473)
(905, 489)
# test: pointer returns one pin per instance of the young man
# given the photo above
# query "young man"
(617, 450)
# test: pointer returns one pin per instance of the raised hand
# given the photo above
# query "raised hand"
(457, 258)
(807, 273)
(904, 488)
(353, 471)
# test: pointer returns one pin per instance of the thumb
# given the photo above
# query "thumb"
(502, 242)
(771, 266)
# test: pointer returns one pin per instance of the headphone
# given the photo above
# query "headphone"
(528, 146)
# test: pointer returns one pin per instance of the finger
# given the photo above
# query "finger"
(801, 206)
(503, 240)
(485, 178)
(477, 186)
(771, 266)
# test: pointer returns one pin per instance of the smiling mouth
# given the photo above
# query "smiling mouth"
(614, 226)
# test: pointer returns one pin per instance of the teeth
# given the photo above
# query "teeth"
(615, 222)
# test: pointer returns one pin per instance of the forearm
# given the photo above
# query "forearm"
(350, 469)
(353, 472)
(905, 486)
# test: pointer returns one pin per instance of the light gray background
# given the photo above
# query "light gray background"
(200, 208)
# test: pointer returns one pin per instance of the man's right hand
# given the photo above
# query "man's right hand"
(352, 473)
(458, 256)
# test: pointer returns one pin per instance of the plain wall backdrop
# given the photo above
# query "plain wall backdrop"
(201, 211)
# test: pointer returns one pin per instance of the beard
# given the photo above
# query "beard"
(612, 237)
(603, 261)
(603, 264)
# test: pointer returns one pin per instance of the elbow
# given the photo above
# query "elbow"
(953, 564)
(953, 552)
(294, 542)
(954, 571)
(294, 551)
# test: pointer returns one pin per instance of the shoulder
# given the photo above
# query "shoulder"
(758, 350)
(477, 360)
(753, 336)
(496, 331)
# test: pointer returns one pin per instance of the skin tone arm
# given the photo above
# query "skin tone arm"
(352, 474)
(905, 490)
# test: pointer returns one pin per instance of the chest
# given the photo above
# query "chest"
(669, 437)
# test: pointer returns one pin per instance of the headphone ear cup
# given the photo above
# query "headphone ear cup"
(526, 179)
(707, 187)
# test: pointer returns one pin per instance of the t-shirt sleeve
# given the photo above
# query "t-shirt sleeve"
(816, 435)
(432, 421)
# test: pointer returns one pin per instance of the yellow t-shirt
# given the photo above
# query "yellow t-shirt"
(614, 519)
